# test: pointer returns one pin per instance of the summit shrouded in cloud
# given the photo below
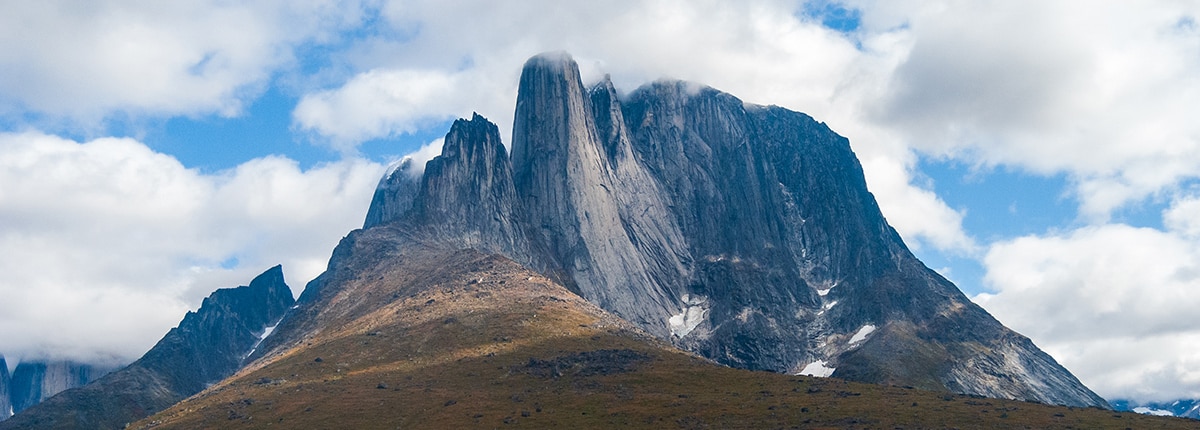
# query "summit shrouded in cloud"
(1041, 156)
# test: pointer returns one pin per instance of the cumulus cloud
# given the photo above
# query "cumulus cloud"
(766, 53)
(423, 154)
(107, 243)
(917, 213)
(1100, 93)
(1114, 303)
(89, 60)
(383, 103)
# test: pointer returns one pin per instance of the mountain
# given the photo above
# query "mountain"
(743, 233)
(490, 290)
(207, 346)
(36, 380)
(404, 331)
(1185, 408)
(669, 257)
(6, 409)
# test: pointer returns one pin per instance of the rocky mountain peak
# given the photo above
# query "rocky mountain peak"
(211, 342)
(394, 194)
(744, 233)
(207, 346)
(579, 207)
(466, 196)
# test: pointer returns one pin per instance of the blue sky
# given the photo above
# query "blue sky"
(1044, 157)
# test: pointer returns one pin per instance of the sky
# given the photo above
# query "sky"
(1045, 156)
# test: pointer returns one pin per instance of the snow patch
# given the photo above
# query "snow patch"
(826, 307)
(266, 332)
(692, 315)
(817, 368)
(1156, 412)
(824, 289)
(862, 334)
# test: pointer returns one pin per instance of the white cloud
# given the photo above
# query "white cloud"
(916, 213)
(383, 103)
(1102, 92)
(455, 60)
(423, 154)
(1184, 216)
(107, 243)
(1115, 304)
(89, 60)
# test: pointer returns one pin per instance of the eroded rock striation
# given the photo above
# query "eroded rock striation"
(741, 232)
(207, 346)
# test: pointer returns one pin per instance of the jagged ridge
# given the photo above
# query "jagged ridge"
(745, 233)
(207, 346)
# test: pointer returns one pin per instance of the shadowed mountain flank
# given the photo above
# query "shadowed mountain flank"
(207, 346)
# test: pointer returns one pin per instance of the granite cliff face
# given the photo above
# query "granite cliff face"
(5, 401)
(744, 233)
(207, 346)
(598, 214)
(35, 381)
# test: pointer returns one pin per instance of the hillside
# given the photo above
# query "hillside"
(413, 336)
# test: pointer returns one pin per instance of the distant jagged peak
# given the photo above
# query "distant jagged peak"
(472, 134)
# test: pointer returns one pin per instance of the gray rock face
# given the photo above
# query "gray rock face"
(466, 195)
(744, 233)
(207, 346)
(394, 195)
(35, 381)
(589, 205)
(5, 400)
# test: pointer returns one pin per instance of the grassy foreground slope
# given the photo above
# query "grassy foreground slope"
(477, 341)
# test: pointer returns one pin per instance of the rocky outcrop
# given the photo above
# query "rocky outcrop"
(207, 346)
(745, 233)
(589, 203)
(35, 380)
(395, 193)
(472, 173)
(5, 400)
